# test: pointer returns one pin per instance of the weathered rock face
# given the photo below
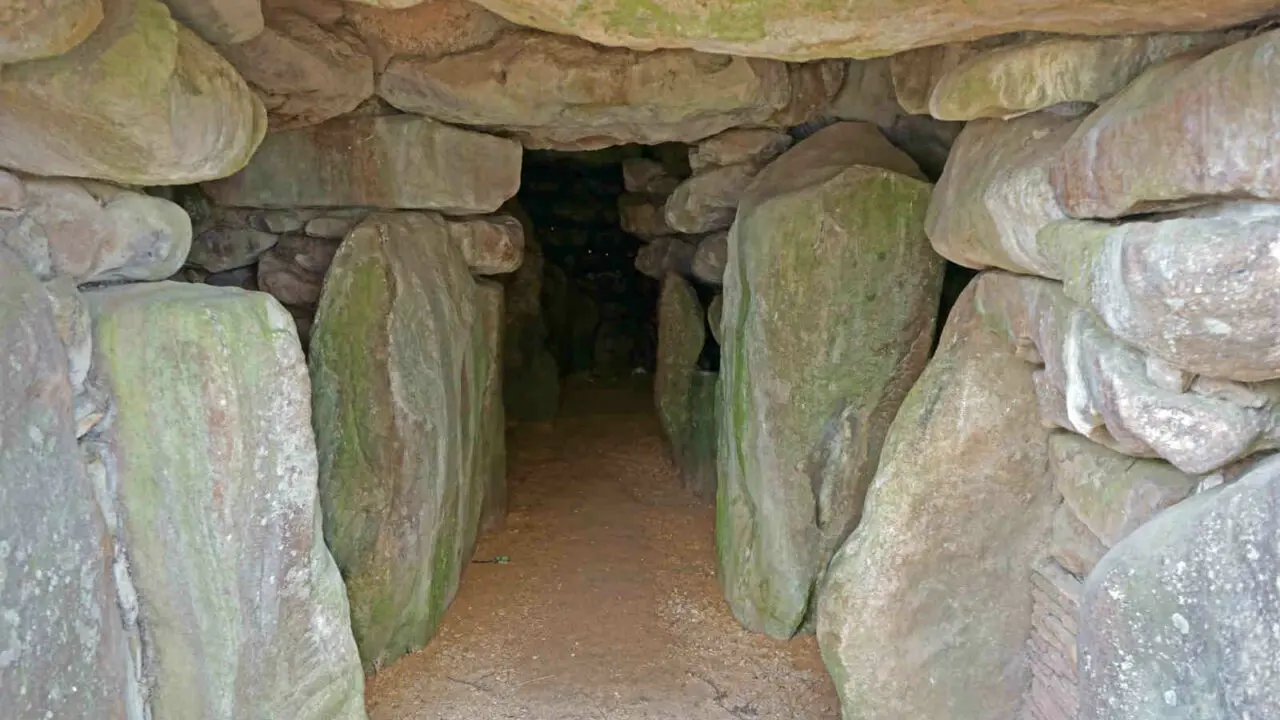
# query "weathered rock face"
(431, 29)
(491, 446)
(221, 22)
(708, 201)
(530, 376)
(303, 72)
(1040, 73)
(399, 485)
(732, 147)
(647, 176)
(384, 162)
(642, 216)
(34, 30)
(93, 232)
(242, 608)
(491, 245)
(1197, 128)
(685, 401)
(227, 239)
(829, 304)
(558, 92)
(711, 257)
(1179, 619)
(63, 626)
(666, 255)
(926, 609)
(813, 29)
(868, 94)
(293, 270)
(143, 101)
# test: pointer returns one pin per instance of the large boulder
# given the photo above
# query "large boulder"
(143, 101)
(63, 627)
(708, 201)
(643, 216)
(687, 413)
(211, 452)
(430, 29)
(490, 245)
(1180, 619)
(710, 258)
(927, 608)
(35, 29)
(1198, 128)
(737, 146)
(398, 403)
(221, 22)
(829, 303)
(384, 162)
(810, 29)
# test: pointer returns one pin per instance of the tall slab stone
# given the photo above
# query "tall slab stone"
(211, 452)
(829, 303)
(396, 395)
(683, 396)
(927, 607)
(491, 444)
(384, 162)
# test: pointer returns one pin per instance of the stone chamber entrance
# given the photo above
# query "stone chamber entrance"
(440, 359)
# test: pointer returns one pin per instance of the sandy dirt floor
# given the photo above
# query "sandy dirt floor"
(608, 608)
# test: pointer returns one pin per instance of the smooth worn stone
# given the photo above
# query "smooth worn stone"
(491, 245)
(666, 255)
(94, 232)
(397, 408)
(552, 91)
(916, 73)
(740, 145)
(384, 162)
(215, 467)
(12, 193)
(868, 94)
(1180, 619)
(492, 446)
(63, 627)
(1113, 494)
(530, 375)
(293, 270)
(304, 73)
(220, 22)
(995, 194)
(708, 201)
(936, 581)
(829, 304)
(643, 216)
(228, 239)
(143, 101)
(682, 407)
(715, 313)
(35, 29)
(1198, 292)
(1036, 74)
(1198, 128)
(810, 29)
(642, 175)
(430, 29)
(711, 257)
(334, 225)
(1072, 544)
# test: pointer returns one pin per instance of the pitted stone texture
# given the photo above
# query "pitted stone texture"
(711, 257)
(740, 145)
(708, 201)
(143, 101)
(927, 607)
(995, 194)
(1198, 128)
(384, 162)
(829, 303)
(211, 450)
(430, 29)
(643, 216)
(1198, 292)
(685, 407)
(64, 650)
(1180, 619)
(93, 232)
(34, 29)
(220, 22)
(490, 245)
(396, 358)
(304, 73)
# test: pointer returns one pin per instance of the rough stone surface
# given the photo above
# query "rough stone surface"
(33, 29)
(334, 225)
(398, 406)
(916, 73)
(666, 255)
(293, 270)
(227, 239)
(868, 94)
(715, 313)
(1113, 494)
(431, 29)
(927, 607)
(491, 245)
(995, 194)
(1197, 128)
(680, 396)
(143, 102)
(1179, 620)
(829, 304)
(711, 257)
(221, 22)
(642, 175)
(530, 376)
(491, 463)
(94, 232)
(816, 29)
(1072, 544)
(64, 650)
(553, 91)
(1199, 291)
(1040, 73)
(708, 201)
(384, 162)
(303, 72)
(642, 216)
(740, 145)
(211, 451)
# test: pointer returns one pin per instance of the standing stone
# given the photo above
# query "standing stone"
(35, 29)
(143, 101)
(385, 162)
(829, 304)
(64, 649)
(492, 442)
(1197, 128)
(740, 145)
(1179, 620)
(687, 413)
(396, 410)
(220, 22)
(530, 377)
(709, 200)
(927, 607)
(211, 451)
(490, 245)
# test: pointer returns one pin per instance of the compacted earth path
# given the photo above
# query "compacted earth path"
(608, 607)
